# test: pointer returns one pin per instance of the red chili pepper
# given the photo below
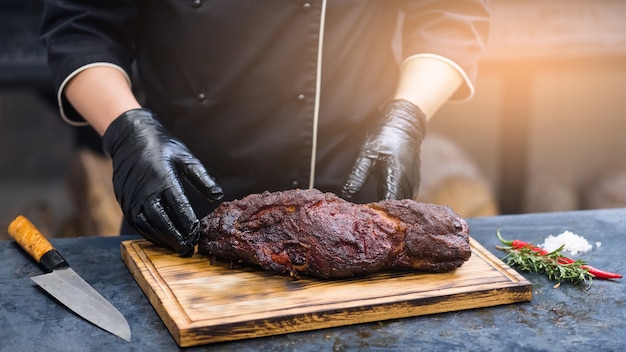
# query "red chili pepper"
(600, 274)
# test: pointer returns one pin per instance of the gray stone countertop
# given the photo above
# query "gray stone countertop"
(569, 318)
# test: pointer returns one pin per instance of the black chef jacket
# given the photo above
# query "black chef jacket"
(268, 94)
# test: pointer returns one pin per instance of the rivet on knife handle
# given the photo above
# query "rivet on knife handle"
(35, 244)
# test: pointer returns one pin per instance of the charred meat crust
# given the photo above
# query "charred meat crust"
(321, 235)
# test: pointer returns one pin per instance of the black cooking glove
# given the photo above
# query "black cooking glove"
(391, 153)
(147, 166)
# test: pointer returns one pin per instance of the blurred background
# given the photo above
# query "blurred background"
(545, 131)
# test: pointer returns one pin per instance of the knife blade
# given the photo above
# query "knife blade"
(64, 284)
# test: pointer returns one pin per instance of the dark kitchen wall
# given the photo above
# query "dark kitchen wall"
(35, 146)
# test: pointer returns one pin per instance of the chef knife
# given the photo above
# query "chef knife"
(64, 284)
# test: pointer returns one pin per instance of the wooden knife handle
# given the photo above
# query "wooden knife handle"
(35, 244)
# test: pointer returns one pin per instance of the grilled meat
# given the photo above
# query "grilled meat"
(321, 235)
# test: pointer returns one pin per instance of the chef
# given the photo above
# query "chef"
(244, 96)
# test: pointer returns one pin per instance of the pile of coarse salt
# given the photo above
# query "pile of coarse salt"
(573, 243)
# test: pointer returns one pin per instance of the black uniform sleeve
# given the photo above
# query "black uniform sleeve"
(79, 33)
(456, 30)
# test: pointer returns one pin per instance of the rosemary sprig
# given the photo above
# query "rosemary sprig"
(529, 258)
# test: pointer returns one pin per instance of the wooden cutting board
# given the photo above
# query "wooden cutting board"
(202, 303)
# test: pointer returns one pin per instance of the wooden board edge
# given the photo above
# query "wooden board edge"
(519, 292)
(497, 263)
(200, 335)
(127, 253)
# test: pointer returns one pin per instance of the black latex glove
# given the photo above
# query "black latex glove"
(391, 153)
(147, 166)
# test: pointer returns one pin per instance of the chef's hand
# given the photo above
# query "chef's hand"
(147, 166)
(391, 153)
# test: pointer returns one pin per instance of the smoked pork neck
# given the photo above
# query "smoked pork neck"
(321, 235)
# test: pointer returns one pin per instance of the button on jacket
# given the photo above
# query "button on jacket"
(268, 94)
